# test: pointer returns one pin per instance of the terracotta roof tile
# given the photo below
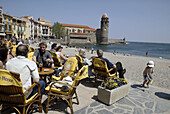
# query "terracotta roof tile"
(72, 25)
(90, 29)
(78, 33)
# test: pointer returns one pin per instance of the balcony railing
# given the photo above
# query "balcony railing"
(2, 31)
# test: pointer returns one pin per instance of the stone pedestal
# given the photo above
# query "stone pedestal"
(111, 96)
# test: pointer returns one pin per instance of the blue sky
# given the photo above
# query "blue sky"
(136, 20)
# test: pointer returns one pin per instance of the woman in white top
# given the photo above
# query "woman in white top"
(86, 61)
(61, 56)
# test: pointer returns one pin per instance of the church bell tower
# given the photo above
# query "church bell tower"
(104, 29)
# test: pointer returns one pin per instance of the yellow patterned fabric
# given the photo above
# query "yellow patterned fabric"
(8, 78)
(70, 67)
(100, 67)
(12, 92)
(14, 49)
(11, 87)
(30, 55)
(57, 62)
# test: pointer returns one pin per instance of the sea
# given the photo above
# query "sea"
(160, 50)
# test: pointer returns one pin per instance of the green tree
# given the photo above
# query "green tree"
(58, 30)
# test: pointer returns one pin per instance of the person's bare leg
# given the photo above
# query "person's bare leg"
(148, 83)
(144, 82)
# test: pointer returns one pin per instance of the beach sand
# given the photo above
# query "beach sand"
(134, 66)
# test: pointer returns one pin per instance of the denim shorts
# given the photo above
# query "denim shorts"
(146, 78)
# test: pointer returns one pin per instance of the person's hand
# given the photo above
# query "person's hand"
(114, 66)
(49, 60)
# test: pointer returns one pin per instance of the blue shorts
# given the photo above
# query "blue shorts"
(146, 78)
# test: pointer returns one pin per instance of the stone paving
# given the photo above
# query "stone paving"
(139, 101)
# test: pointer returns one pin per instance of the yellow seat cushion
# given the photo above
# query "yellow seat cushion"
(55, 90)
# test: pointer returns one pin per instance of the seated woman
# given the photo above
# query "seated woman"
(3, 56)
(86, 61)
(61, 56)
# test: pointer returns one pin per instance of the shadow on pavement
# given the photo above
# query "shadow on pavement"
(138, 86)
(89, 82)
(163, 95)
(57, 106)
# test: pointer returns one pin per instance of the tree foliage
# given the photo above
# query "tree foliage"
(58, 30)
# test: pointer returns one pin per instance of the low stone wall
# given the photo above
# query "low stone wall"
(116, 41)
(91, 42)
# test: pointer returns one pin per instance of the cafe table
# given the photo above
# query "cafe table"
(46, 73)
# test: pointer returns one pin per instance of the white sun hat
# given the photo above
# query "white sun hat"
(150, 64)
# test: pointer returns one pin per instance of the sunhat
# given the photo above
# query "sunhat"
(150, 64)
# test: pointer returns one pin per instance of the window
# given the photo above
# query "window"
(5, 28)
(5, 20)
(8, 21)
(9, 28)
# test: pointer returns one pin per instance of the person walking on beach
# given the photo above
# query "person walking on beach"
(146, 54)
(147, 74)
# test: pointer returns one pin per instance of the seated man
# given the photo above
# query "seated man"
(53, 47)
(26, 68)
(117, 66)
(42, 56)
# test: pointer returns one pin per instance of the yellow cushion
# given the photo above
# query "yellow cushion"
(55, 90)
(56, 78)
(30, 99)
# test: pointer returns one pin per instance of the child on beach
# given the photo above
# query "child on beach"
(147, 74)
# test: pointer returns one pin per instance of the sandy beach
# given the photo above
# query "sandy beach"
(134, 66)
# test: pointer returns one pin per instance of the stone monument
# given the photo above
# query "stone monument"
(102, 33)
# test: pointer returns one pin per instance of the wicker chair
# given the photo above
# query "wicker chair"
(56, 92)
(101, 70)
(12, 93)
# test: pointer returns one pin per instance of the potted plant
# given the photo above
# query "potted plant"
(113, 90)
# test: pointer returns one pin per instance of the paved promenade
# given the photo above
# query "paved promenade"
(140, 100)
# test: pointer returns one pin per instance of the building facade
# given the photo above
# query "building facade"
(2, 32)
(30, 26)
(8, 25)
(20, 28)
(79, 34)
(46, 27)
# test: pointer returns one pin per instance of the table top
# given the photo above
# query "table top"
(45, 71)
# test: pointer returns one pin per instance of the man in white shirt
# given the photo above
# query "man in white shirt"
(26, 68)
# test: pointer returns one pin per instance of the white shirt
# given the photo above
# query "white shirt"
(26, 68)
(58, 53)
(19, 43)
